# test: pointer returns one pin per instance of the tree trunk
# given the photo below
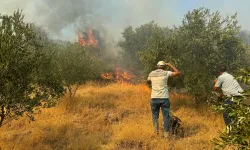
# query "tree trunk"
(70, 90)
(2, 116)
(77, 86)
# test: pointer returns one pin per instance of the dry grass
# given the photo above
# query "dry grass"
(116, 116)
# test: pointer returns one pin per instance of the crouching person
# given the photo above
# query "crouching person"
(230, 87)
(160, 94)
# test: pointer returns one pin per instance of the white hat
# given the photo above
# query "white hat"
(161, 63)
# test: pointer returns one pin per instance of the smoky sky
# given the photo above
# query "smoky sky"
(61, 18)
(60, 14)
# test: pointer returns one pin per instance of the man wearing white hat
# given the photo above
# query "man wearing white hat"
(159, 95)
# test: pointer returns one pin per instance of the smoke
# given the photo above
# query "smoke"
(61, 18)
(59, 15)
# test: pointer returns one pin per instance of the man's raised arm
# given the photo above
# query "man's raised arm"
(175, 72)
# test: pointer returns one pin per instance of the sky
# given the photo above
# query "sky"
(62, 18)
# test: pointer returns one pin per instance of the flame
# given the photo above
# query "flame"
(122, 76)
(143, 87)
(107, 76)
(81, 40)
(118, 76)
(90, 39)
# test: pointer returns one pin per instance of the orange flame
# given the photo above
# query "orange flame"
(107, 76)
(81, 40)
(90, 39)
(118, 76)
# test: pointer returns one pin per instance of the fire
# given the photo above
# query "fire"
(90, 39)
(81, 39)
(118, 76)
(122, 76)
(108, 76)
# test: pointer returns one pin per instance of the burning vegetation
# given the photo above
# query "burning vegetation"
(87, 38)
(119, 75)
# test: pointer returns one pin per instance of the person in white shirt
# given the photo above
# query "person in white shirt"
(229, 86)
(159, 95)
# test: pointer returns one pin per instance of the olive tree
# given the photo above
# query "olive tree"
(198, 47)
(77, 65)
(25, 79)
(134, 41)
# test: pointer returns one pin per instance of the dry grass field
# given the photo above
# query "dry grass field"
(111, 117)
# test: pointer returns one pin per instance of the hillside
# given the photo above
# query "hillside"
(115, 116)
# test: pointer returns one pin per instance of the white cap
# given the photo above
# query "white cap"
(161, 63)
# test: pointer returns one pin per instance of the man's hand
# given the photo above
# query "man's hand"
(215, 80)
(214, 87)
(175, 71)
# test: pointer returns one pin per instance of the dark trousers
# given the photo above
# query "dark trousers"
(156, 104)
(225, 115)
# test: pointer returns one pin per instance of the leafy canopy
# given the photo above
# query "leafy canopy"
(24, 76)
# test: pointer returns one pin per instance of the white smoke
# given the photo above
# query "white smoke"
(61, 18)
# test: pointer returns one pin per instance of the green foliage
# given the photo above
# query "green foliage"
(25, 78)
(157, 48)
(136, 41)
(206, 41)
(77, 65)
(197, 48)
(239, 112)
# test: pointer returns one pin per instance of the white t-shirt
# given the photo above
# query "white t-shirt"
(229, 85)
(159, 80)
